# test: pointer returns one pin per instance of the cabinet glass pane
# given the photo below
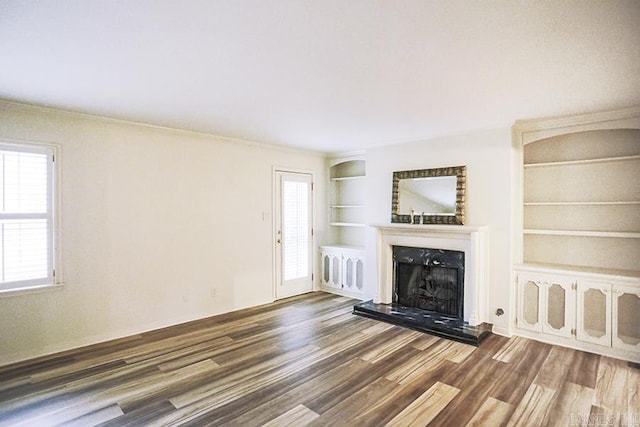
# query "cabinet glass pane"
(325, 268)
(359, 273)
(629, 319)
(349, 273)
(531, 302)
(336, 271)
(594, 313)
(556, 306)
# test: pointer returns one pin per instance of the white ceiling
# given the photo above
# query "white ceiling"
(329, 75)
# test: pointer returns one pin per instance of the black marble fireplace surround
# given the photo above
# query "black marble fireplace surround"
(428, 295)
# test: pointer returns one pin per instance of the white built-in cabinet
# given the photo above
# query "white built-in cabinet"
(578, 231)
(609, 315)
(342, 269)
(342, 261)
(546, 304)
(584, 308)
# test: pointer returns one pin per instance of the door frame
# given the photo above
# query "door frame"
(274, 226)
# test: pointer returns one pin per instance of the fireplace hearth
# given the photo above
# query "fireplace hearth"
(424, 321)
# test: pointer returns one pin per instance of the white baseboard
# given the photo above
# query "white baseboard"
(615, 353)
(505, 332)
(342, 293)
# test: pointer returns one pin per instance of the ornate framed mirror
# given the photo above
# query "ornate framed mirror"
(429, 196)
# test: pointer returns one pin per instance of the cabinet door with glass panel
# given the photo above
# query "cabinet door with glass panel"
(594, 312)
(546, 304)
(625, 314)
(331, 267)
(609, 314)
(353, 270)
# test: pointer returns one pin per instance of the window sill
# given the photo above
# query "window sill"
(5, 293)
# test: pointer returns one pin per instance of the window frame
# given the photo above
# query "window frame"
(53, 280)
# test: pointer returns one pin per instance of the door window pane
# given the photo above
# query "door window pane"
(295, 229)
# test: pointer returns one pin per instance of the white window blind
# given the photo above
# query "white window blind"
(295, 224)
(26, 216)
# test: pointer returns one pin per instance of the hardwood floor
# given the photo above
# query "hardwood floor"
(309, 361)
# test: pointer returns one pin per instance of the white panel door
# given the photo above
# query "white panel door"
(294, 241)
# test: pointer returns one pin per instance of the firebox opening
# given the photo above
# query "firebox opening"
(429, 279)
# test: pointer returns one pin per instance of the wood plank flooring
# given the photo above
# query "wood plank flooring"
(308, 361)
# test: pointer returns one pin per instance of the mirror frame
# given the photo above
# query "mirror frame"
(460, 172)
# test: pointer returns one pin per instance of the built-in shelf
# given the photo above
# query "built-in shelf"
(582, 162)
(589, 233)
(606, 273)
(342, 259)
(633, 202)
(577, 276)
(347, 200)
(346, 224)
(580, 205)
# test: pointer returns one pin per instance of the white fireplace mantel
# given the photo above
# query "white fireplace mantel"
(473, 241)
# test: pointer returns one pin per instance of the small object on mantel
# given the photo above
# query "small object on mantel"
(412, 216)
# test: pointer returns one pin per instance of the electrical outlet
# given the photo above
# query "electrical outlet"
(214, 292)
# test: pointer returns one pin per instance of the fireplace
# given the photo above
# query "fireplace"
(429, 279)
(444, 268)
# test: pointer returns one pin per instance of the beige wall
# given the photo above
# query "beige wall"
(152, 221)
(488, 158)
